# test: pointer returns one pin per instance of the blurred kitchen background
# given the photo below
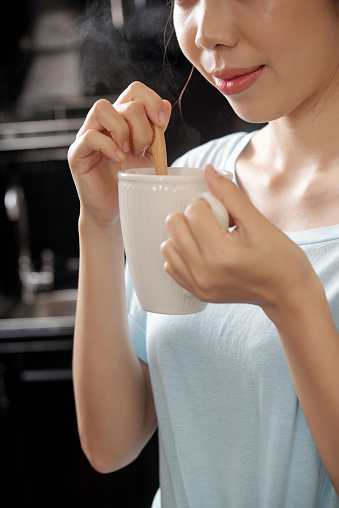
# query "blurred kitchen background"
(57, 58)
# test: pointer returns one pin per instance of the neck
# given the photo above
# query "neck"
(305, 139)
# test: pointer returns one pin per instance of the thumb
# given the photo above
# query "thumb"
(237, 204)
(168, 109)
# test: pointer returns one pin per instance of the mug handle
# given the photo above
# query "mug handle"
(218, 209)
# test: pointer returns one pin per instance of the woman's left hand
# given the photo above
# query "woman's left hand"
(255, 263)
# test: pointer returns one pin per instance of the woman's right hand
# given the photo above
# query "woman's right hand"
(114, 137)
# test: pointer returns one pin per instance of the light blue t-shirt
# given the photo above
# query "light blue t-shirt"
(232, 433)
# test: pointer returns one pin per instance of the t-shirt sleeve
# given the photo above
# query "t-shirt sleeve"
(137, 320)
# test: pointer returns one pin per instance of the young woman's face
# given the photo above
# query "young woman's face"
(270, 58)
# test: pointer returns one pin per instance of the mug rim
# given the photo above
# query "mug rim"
(148, 174)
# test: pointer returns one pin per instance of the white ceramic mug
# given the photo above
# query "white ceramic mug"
(145, 200)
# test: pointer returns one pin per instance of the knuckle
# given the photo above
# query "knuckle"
(89, 140)
(119, 132)
(191, 208)
(135, 87)
(101, 104)
(87, 137)
(171, 220)
(136, 107)
(196, 207)
(165, 247)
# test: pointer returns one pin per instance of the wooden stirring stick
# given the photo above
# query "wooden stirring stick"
(158, 146)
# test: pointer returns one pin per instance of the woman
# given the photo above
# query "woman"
(245, 394)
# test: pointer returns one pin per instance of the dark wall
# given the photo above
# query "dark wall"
(112, 58)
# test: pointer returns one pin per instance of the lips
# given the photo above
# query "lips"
(236, 81)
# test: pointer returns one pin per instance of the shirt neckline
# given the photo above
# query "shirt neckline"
(307, 236)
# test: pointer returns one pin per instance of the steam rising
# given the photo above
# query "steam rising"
(113, 57)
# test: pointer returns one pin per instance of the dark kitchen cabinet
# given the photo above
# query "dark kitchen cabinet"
(41, 462)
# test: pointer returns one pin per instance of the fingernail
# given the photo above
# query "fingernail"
(120, 155)
(162, 117)
(125, 146)
(212, 171)
(220, 173)
(142, 152)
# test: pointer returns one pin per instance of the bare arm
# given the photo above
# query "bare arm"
(113, 395)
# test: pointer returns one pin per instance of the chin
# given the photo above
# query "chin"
(255, 115)
(258, 109)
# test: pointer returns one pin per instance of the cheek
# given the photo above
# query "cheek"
(185, 33)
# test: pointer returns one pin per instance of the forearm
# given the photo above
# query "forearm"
(311, 343)
(115, 416)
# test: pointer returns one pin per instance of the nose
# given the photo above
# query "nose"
(215, 26)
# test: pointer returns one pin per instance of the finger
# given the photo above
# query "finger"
(175, 266)
(240, 208)
(182, 238)
(157, 109)
(93, 141)
(140, 130)
(104, 117)
(204, 226)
